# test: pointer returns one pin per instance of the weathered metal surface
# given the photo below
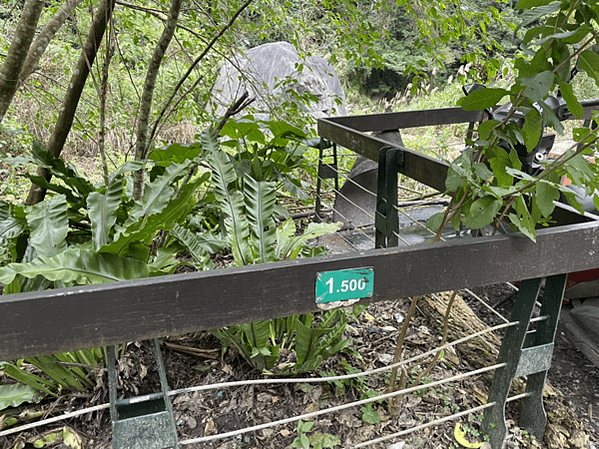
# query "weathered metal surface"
(141, 422)
(408, 119)
(101, 315)
(532, 361)
(535, 359)
(424, 169)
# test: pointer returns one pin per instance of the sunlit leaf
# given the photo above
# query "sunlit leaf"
(589, 62)
(482, 99)
(538, 85)
(482, 212)
(102, 209)
(546, 194)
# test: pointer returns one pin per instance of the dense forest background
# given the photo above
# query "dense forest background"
(375, 46)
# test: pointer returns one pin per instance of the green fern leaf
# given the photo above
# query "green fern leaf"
(48, 223)
(231, 202)
(145, 229)
(78, 266)
(158, 193)
(199, 246)
(102, 211)
(209, 140)
(260, 203)
(15, 394)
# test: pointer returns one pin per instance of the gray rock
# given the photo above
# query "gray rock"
(587, 317)
(269, 73)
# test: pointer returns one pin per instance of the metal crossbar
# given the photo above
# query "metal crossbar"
(524, 352)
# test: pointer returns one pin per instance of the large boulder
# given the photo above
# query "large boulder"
(274, 73)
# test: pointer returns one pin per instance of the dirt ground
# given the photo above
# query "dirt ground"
(374, 337)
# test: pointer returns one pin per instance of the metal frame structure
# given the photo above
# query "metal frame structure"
(524, 351)
(109, 314)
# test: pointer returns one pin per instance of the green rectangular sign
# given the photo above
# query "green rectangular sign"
(344, 285)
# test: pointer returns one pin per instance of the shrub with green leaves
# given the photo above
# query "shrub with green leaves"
(85, 234)
(487, 183)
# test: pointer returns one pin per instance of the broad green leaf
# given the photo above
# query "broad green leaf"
(260, 201)
(258, 334)
(538, 85)
(324, 440)
(521, 220)
(454, 180)
(589, 62)
(40, 181)
(232, 203)
(482, 212)
(532, 129)
(11, 227)
(65, 171)
(499, 159)
(78, 266)
(435, 222)
(532, 15)
(370, 415)
(102, 209)
(13, 395)
(306, 344)
(481, 171)
(528, 4)
(49, 224)
(524, 225)
(199, 247)
(485, 128)
(63, 376)
(482, 99)
(289, 245)
(127, 167)
(305, 426)
(209, 140)
(573, 104)
(546, 194)
(31, 380)
(145, 229)
(158, 193)
(583, 135)
(177, 153)
(550, 119)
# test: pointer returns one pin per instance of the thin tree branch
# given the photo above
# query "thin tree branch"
(46, 35)
(145, 109)
(193, 65)
(19, 47)
(73, 94)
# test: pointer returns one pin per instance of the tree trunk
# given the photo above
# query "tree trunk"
(76, 85)
(145, 108)
(46, 35)
(19, 47)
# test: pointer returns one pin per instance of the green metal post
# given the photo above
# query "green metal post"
(526, 353)
(145, 422)
(325, 171)
(386, 216)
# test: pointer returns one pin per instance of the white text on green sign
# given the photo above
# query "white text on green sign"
(344, 285)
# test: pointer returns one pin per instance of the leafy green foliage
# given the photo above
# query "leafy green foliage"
(13, 395)
(559, 39)
(316, 440)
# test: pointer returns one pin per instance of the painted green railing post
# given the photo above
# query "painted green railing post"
(386, 216)
(526, 353)
(145, 422)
